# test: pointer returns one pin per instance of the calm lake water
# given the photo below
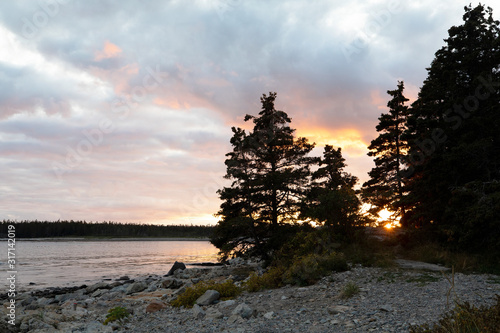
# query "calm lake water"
(67, 263)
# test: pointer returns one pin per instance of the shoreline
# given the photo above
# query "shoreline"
(389, 300)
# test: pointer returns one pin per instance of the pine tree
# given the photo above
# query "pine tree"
(332, 200)
(270, 170)
(384, 189)
(454, 134)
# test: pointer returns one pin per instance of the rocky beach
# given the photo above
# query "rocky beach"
(386, 300)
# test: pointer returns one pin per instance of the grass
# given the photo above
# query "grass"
(423, 279)
(227, 290)
(349, 290)
(466, 318)
(389, 276)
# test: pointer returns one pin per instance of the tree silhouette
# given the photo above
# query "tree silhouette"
(270, 171)
(385, 189)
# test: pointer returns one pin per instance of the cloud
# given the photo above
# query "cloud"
(145, 93)
(110, 51)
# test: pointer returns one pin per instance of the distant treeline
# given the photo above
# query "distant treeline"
(42, 229)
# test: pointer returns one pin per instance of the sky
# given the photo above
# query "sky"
(122, 110)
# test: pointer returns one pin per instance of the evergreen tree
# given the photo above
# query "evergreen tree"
(270, 170)
(385, 187)
(332, 200)
(454, 133)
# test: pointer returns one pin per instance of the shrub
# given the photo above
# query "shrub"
(466, 319)
(117, 313)
(310, 268)
(349, 290)
(271, 279)
(187, 299)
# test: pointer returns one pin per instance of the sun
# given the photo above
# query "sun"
(386, 217)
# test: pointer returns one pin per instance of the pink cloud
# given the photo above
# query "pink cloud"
(110, 51)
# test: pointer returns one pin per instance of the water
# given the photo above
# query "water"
(69, 263)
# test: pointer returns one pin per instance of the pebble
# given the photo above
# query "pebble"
(390, 300)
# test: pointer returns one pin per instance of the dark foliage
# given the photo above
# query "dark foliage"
(270, 171)
(385, 189)
(43, 229)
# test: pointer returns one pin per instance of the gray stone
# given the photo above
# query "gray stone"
(334, 309)
(213, 313)
(387, 308)
(171, 283)
(64, 297)
(243, 310)
(234, 319)
(208, 297)
(136, 287)
(46, 301)
(269, 315)
(197, 311)
(226, 304)
(94, 287)
(177, 265)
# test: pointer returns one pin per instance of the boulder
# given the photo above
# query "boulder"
(243, 310)
(177, 265)
(213, 313)
(198, 312)
(155, 306)
(94, 287)
(171, 283)
(136, 287)
(208, 297)
(226, 304)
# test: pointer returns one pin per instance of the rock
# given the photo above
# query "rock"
(94, 287)
(70, 309)
(31, 324)
(123, 278)
(269, 315)
(208, 297)
(338, 309)
(213, 313)
(136, 287)
(197, 311)
(46, 301)
(32, 306)
(387, 308)
(155, 306)
(234, 319)
(226, 304)
(171, 283)
(99, 293)
(177, 265)
(243, 310)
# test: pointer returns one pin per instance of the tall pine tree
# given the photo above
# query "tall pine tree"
(453, 164)
(384, 189)
(270, 170)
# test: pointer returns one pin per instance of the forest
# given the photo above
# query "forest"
(49, 229)
(437, 165)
